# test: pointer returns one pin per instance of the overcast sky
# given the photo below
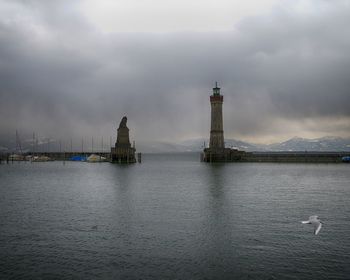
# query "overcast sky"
(75, 68)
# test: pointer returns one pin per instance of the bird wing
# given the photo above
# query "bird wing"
(317, 227)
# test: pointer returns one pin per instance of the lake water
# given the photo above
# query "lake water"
(173, 217)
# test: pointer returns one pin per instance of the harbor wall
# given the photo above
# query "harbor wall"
(59, 155)
(301, 157)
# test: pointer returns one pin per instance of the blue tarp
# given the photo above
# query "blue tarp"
(78, 158)
(346, 159)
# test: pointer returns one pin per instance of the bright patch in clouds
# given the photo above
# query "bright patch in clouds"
(170, 15)
(76, 67)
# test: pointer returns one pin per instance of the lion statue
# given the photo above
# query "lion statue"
(123, 122)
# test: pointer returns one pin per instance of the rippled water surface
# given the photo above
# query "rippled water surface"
(172, 217)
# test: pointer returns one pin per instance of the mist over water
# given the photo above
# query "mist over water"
(173, 217)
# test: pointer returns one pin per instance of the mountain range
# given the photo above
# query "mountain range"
(324, 144)
(328, 143)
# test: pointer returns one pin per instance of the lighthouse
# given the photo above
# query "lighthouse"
(217, 151)
(217, 130)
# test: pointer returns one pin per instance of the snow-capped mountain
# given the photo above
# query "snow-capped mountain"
(195, 145)
(328, 143)
(319, 144)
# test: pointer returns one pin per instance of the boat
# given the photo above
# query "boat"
(346, 159)
(96, 158)
(16, 157)
(42, 158)
(29, 158)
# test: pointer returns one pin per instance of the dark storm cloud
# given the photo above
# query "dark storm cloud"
(60, 76)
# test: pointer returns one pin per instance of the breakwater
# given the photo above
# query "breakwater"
(58, 155)
(312, 157)
(232, 155)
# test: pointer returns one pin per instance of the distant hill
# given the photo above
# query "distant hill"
(294, 144)
(3, 149)
(318, 144)
(161, 147)
(196, 145)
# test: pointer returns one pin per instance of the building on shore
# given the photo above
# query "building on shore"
(123, 152)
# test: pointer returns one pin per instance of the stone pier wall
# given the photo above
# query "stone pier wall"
(232, 155)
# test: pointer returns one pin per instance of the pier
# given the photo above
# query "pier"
(303, 157)
(289, 157)
(57, 155)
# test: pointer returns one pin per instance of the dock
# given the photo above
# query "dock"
(232, 155)
(59, 155)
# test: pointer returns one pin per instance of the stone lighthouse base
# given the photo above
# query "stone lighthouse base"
(222, 155)
(123, 155)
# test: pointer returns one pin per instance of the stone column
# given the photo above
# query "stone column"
(217, 130)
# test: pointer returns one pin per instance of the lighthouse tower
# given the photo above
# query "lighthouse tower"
(217, 151)
(216, 131)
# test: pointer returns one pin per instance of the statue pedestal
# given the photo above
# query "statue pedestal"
(123, 155)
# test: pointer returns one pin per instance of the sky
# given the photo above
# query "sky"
(73, 69)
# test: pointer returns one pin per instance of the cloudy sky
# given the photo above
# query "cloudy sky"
(72, 69)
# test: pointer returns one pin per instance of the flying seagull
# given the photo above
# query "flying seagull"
(316, 222)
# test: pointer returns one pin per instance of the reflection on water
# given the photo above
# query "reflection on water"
(173, 217)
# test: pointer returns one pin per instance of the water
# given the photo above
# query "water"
(172, 217)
